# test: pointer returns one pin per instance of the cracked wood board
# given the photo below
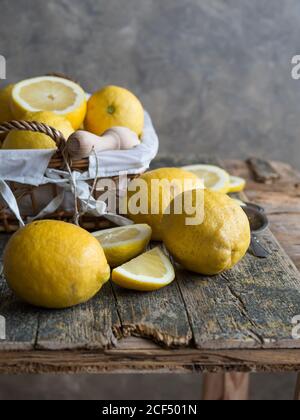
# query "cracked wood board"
(156, 360)
(250, 306)
(87, 327)
(160, 316)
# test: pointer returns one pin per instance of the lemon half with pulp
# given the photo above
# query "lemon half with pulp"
(48, 93)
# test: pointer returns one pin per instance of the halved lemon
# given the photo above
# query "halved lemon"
(48, 93)
(237, 184)
(124, 243)
(214, 178)
(150, 271)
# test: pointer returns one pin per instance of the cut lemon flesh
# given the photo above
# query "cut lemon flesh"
(48, 95)
(214, 178)
(237, 184)
(61, 96)
(124, 243)
(150, 271)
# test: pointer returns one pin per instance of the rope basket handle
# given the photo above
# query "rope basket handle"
(35, 127)
(60, 142)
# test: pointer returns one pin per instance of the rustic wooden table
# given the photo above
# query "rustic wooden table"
(226, 326)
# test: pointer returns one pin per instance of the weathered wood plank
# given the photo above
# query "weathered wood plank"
(160, 360)
(88, 326)
(251, 305)
(263, 170)
(160, 316)
(21, 319)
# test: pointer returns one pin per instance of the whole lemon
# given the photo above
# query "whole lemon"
(55, 264)
(5, 98)
(213, 246)
(159, 187)
(114, 106)
(29, 140)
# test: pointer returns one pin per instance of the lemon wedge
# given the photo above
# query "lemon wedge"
(237, 184)
(124, 243)
(214, 178)
(150, 271)
(48, 93)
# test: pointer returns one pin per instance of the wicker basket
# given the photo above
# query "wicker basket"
(61, 161)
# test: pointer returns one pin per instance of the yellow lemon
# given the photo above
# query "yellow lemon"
(60, 96)
(150, 271)
(114, 106)
(5, 98)
(29, 140)
(213, 246)
(214, 178)
(237, 184)
(151, 193)
(54, 264)
(124, 243)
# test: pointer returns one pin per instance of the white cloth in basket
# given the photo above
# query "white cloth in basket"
(30, 167)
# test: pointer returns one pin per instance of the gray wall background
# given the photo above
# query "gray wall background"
(215, 75)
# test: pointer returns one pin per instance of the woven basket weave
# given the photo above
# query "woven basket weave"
(60, 160)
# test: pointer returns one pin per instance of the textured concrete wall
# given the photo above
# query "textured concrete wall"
(214, 74)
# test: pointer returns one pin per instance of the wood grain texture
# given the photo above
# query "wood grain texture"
(251, 305)
(160, 316)
(263, 170)
(88, 326)
(149, 361)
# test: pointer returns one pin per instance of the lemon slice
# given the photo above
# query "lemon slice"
(237, 184)
(215, 178)
(61, 96)
(122, 244)
(150, 271)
